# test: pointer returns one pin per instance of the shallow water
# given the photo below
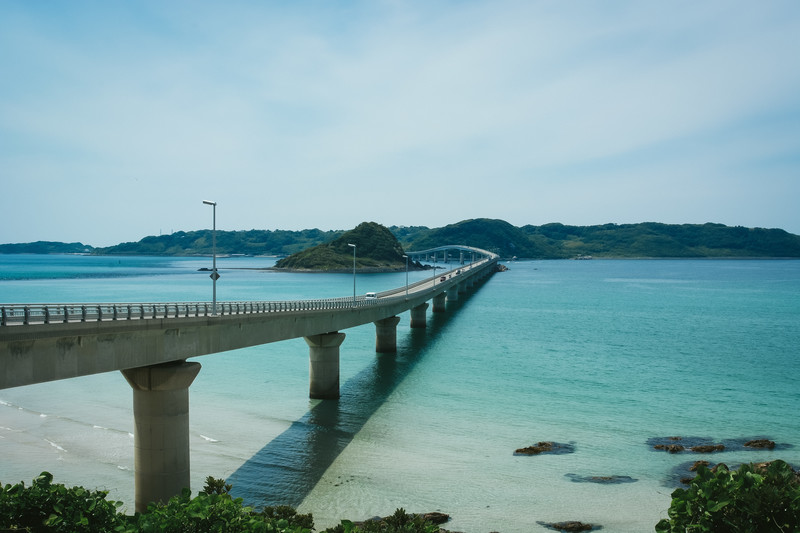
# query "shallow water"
(603, 355)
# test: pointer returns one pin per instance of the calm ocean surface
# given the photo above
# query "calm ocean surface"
(603, 356)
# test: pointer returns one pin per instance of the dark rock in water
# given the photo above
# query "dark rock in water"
(436, 517)
(707, 445)
(605, 480)
(699, 448)
(708, 448)
(760, 443)
(671, 448)
(571, 525)
(556, 448)
(684, 473)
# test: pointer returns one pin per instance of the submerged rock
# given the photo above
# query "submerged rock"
(760, 443)
(708, 448)
(698, 464)
(545, 447)
(671, 448)
(571, 525)
(707, 445)
(605, 480)
(436, 517)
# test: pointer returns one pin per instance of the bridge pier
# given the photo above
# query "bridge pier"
(323, 365)
(439, 302)
(452, 294)
(386, 334)
(418, 315)
(161, 429)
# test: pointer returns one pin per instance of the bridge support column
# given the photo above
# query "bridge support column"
(452, 293)
(438, 303)
(418, 316)
(323, 365)
(462, 287)
(161, 433)
(386, 334)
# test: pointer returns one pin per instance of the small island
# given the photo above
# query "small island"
(376, 250)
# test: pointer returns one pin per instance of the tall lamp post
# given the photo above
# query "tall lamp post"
(407, 274)
(354, 272)
(214, 274)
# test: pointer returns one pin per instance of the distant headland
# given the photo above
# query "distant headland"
(549, 241)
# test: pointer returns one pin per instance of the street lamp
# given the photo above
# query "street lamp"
(214, 274)
(434, 269)
(407, 274)
(354, 272)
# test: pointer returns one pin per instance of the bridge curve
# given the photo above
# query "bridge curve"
(150, 345)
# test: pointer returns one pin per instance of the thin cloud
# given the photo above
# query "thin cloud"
(323, 115)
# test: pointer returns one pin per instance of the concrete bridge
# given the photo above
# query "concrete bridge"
(151, 342)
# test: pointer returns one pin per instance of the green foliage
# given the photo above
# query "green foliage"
(45, 506)
(208, 513)
(549, 241)
(290, 515)
(495, 236)
(376, 248)
(46, 247)
(252, 242)
(754, 498)
(651, 239)
(216, 486)
(399, 522)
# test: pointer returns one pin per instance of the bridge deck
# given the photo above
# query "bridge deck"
(45, 342)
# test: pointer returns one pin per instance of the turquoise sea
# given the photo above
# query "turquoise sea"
(605, 357)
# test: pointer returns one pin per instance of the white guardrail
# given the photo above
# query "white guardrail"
(25, 314)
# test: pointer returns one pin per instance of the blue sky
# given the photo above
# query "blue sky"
(118, 118)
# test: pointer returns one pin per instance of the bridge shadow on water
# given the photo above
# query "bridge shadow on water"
(286, 470)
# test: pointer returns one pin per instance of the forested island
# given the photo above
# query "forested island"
(370, 247)
(548, 241)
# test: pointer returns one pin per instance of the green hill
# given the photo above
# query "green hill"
(496, 236)
(252, 242)
(549, 241)
(46, 247)
(651, 239)
(376, 249)
(647, 239)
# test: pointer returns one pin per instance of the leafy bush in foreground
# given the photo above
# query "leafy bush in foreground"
(48, 507)
(45, 506)
(399, 522)
(754, 498)
(214, 511)
(208, 513)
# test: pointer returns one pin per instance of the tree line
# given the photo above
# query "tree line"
(548, 241)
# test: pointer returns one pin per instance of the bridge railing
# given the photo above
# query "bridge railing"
(25, 314)
(17, 314)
